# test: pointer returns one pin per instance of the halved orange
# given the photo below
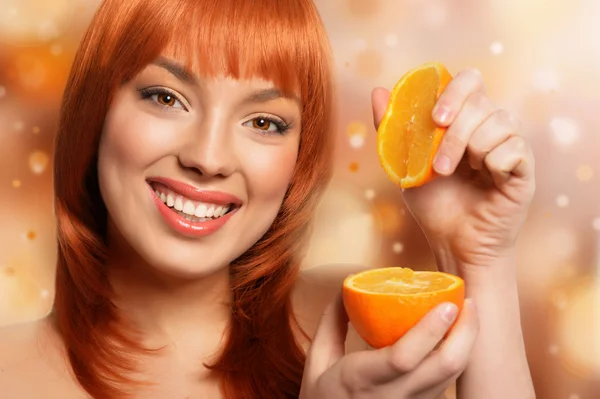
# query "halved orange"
(383, 304)
(408, 138)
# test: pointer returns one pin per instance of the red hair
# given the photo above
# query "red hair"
(280, 40)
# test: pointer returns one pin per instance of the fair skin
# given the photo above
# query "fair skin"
(471, 218)
(213, 137)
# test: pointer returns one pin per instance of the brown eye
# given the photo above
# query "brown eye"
(261, 124)
(166, 99)
(162, 98)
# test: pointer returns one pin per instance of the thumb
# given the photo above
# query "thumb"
(328, 345)
(379, 98)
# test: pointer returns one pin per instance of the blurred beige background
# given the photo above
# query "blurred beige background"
(540, 58)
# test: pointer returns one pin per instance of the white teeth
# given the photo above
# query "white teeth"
(189, 208)
(200, 211)
(179, 203)
(186, 208)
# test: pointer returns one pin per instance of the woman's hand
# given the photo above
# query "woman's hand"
(473, 213)
(411, 368)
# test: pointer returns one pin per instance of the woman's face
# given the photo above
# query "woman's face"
(193, 172)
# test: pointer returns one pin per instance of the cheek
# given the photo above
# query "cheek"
(269, 170)
(132, 140)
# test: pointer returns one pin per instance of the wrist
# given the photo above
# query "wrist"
(500, 267)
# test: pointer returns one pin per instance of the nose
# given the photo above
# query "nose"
(209, 149)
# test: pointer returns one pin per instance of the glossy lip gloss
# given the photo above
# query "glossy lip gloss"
(181, 224)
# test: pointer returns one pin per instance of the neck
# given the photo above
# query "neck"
(185, 316)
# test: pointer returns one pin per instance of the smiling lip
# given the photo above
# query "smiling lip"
(195, 194)
(181, 224)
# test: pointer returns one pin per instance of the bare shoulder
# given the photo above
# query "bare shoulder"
(32, 363)
(315, 288)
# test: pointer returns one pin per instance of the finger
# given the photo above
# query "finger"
(455, 95)
(379, 98)
(386, 364)
(420, 340)
(452, 357)
(328, 345)
(511, 158)
(476, 109)
(495, 130)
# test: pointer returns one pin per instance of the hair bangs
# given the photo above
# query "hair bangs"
(272, 40)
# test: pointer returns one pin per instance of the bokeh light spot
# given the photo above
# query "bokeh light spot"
(38, 161)
(357, 132)
(353, 167)
(357, 141)
(562, 201)
(565, 131)
(18, 126)
(370, 194)
(546, 80)
(16, 183)
(497, 48)
(9, 271)
(397, 247)
(584, 173)
(356, 128)
(31, 235)
(553, 350)
(36, 129)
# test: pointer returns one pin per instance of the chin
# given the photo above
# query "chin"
(181, 263)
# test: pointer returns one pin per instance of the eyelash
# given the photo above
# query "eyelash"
(282, 127)
(152, 91)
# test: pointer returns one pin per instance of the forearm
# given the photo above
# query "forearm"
(498, 367)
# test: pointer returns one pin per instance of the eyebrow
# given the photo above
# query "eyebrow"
(181, 73)
(263, 96)
(177, 70)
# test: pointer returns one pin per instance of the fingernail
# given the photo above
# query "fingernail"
(442, 164)
(442, 114)
(449, 312)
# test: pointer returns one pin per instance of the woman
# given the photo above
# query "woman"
(195, 139)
